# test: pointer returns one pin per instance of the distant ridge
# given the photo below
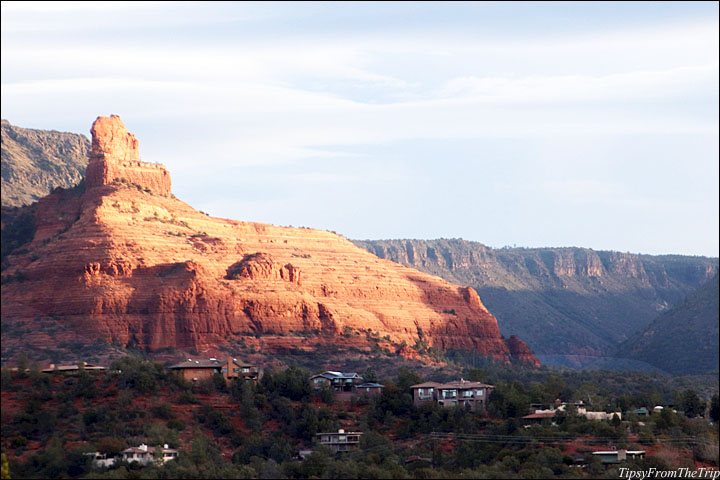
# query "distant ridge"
(34, 162)
(685, 339)
(572, 305)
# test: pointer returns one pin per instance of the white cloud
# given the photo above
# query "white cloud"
(58, 6)
(254, 103)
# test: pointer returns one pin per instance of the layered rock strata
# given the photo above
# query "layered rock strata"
(138, 267)
(115, 158)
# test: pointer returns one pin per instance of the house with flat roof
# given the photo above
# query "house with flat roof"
(72, 369)
(145, 455)
(194, 370)
(461, 392)
(617, 456)
(341, 441)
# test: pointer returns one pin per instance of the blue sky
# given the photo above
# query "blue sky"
(531, 124)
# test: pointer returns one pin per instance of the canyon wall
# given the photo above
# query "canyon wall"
(572, 305)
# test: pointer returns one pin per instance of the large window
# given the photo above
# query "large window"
(449, 393)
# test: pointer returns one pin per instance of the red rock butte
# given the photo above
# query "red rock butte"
(115, 157)
(127, 262)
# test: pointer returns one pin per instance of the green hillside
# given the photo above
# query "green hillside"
(685, 338)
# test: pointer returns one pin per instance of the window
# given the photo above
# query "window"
(467, 393)
(480, 392)
(246, 370)
(449, 393)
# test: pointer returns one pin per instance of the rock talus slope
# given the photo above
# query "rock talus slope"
(121, 259)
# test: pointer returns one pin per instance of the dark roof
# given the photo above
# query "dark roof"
(71, 368)
(426, 385)
(189, 363)
(454, 384)
(331, 375)
(211, 363)
(371, 385)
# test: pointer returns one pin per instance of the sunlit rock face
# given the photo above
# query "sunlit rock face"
(124, 261)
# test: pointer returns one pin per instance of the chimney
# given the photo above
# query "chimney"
(143, 447)
(165, 446)
(340, 430)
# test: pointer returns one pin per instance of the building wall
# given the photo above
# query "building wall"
(199, 373)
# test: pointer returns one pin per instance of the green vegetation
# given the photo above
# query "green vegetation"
(246, 430)
(683, 339)
(18, 230)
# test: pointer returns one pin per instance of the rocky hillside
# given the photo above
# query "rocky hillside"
(120, 259)
(34, 162)
(683, 339)
(572, 305)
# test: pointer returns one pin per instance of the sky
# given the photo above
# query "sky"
(537, 124)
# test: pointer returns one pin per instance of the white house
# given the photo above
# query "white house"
(145, 455)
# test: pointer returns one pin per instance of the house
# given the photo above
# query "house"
(462, 392)
(145, 455)
(341, 441)
(338, 381)
(72, 369)
(424, 392)
(101, 459)
(194, 370)
(236, 370)
(617, 456)
(601, 415)
(345, 385)
(559, 404)
(369, 388)
(539, 415)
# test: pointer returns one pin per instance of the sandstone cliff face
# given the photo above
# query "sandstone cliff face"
(34, 162)
(115, 157)
(138, 267)
(572, 305)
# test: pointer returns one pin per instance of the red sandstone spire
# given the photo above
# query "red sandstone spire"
(115, 157)
(112, 141)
